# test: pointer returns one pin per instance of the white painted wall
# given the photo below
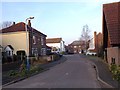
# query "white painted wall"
(8, 51)
(91, 44)
(57, 45)
(60, 46)
(16, 39)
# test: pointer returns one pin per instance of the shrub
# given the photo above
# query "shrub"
(115, 71)
(113, 68)
(13, 73)
(24, 72)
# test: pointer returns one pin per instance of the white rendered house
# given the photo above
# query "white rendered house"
(57, 44)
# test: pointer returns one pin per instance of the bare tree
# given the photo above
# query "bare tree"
(85, 36)
(5, 24)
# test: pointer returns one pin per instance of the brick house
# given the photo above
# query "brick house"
(48, 50)
(15, 36)
(111, 32)
(76, 47)
(57, 44)
(96, 43)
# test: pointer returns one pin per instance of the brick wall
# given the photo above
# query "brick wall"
(113, 53)
(98, 41)
(38, 45)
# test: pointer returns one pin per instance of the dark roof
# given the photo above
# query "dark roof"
(111, 13)
(10, 47)
(48, 47)
(77, 43)
(53, 40)
(18, 27)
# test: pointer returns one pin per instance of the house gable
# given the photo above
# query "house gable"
(111, 23)
(8, 48)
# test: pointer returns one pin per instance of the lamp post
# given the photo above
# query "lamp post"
(27, 43)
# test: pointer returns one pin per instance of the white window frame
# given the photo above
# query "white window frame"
(42, 40)
(34, 40)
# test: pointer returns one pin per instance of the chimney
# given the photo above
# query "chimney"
(13, 23)
(95, 40)
(29, 23)
(95, 34)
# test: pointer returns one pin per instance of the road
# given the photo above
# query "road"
(75, 72)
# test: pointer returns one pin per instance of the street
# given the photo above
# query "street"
(75, 72)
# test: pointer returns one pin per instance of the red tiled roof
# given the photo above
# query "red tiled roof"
(18, 27)
(14, 28)
(112, 17)
(53, 40)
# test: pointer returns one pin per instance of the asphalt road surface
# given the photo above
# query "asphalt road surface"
(75, 72)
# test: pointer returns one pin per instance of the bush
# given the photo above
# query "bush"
(13, 73)
(15, 57)
(33, 60)
(9, 59)
(24, 72)
(62, 53)
(115, 71)
(35, 69)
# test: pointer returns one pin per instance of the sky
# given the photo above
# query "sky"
(57, 18)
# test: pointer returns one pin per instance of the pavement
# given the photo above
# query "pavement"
(7, 80)
(103, 71)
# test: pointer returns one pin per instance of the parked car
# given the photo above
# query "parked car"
(91, 53)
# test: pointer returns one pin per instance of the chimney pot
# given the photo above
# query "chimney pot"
(13, 23)
(95, 33)
(29, 23)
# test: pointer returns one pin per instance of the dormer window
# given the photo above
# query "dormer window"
(34, 40)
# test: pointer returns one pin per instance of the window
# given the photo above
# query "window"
(42, 41)
(34, 51)
(43, 51)
(34, 40)
(113, 61)
(38, 39)
(9, 53)
(75, 46)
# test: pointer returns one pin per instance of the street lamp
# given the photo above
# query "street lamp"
(27, 42)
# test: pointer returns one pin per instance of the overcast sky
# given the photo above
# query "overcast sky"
(57, 18)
